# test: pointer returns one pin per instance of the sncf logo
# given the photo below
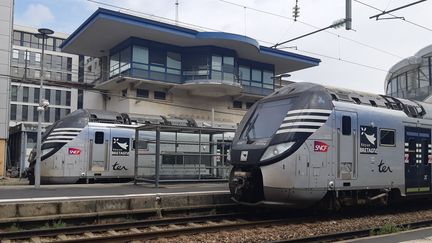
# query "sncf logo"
(320, 146)
(74, 151)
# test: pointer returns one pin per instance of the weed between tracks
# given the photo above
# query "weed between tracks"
(54, 225)
(388, 229)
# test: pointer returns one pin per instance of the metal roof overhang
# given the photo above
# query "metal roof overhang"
(105, 29)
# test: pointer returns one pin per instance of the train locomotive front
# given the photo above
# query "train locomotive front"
(271, 149)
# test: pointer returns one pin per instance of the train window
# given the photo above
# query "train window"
(387, 137)
(334, 97)
(346, 125)
(141, 144)
(373, 103)
(99, 137)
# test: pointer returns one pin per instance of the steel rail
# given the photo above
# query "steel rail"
(26, 234)
(147, 235)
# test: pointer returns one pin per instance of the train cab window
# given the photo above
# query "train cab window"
(346, 125)
(99, 137)
(387, 137)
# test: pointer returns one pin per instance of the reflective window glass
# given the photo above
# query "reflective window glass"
(140, 54)
(13, 112)
(256, 75)
(244, 73)
(14, 93)
(216, 63)
(173, 60)
(25, 94)
(125, 60)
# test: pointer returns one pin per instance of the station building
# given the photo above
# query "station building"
(155, 68)
(411, 78)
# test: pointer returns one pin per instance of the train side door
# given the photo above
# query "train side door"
(346, 129)
(417, 160)
(99, 149)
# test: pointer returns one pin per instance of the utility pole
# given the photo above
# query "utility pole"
(43, 34)
(176, 12)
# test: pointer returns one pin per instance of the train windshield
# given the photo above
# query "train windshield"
(266, 119)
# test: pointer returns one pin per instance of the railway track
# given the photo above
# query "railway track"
(142, 230)
(348, 235)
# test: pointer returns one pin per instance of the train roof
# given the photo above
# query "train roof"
(116, 118)
(411, 108)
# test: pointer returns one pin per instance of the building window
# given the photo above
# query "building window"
(36, 93)
(173, 63)
(68, 98)
(216, 67)
(47, 74)
(387, 137)
(37, 57)
(124, 92)
(228, 68)
(158, 95)
(48, 94)
(256, 78)
(142, 93)
(13, 112)
(17, 38)
(24, 113)
(14, 93)
(15, 54)
(37, 74)
(114, 64)
(25, 94)
(80, 99)
(244, 75)
(58, 97)
(57, 114)
(140, 58)
(237, 104)
(35, 114)
(268, 80)
(125, 57)
(47, 114)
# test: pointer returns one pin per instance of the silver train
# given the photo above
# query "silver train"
(307, 144)
(91, 145)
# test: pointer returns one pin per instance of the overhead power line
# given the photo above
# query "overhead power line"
(404, 19)
(315, 27)
(393, 10)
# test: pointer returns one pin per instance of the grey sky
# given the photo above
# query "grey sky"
(394, 36)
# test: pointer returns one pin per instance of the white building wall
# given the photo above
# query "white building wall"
(6, 23)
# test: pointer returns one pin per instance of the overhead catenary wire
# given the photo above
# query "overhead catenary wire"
(404, 19)
(315, 27)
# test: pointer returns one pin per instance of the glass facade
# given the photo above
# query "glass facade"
(156, 61)
(26, 64)
(414, 83)
(25, 99)
(26, 39)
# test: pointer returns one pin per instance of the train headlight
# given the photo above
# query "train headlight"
(275, 150)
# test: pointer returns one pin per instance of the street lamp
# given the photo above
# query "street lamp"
(43, 34)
